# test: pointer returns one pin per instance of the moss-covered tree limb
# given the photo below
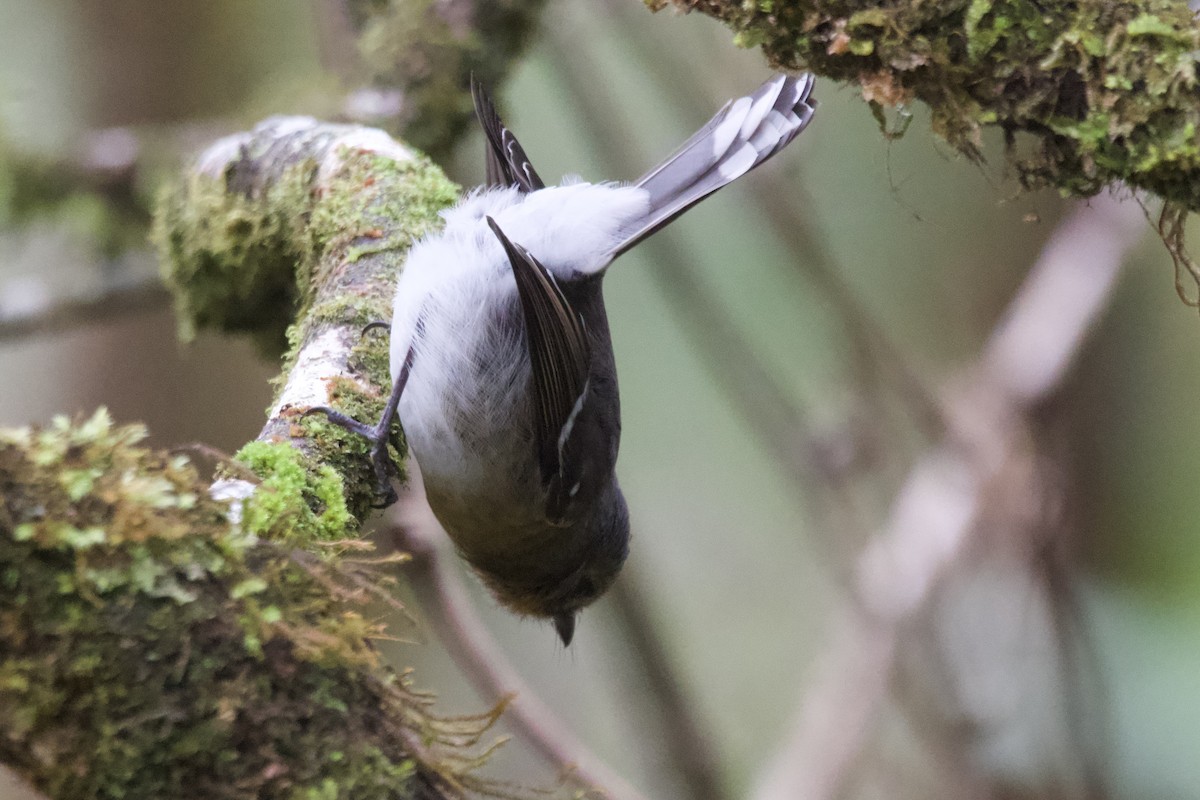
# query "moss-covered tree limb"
(160, 637)
(303, 220)
(151, 645)
(1102, 91)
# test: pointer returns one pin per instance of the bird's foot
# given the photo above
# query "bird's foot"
(381, 459)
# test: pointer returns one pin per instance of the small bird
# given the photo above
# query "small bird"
(501, 361)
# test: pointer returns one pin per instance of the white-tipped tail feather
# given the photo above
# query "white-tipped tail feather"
(742, 135)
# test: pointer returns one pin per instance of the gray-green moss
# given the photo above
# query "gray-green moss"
(1101, 91)
(149, 648)
(232, 261)
(250, 260)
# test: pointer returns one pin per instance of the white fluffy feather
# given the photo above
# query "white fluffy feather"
(474, 430)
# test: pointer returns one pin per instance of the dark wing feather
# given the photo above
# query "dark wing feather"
(561, 358)
(507, 164)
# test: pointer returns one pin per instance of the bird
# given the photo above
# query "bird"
(502, 366)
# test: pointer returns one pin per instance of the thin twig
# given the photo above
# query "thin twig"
(682, 734)
(1025, 361)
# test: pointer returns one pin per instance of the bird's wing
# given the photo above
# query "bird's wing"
(561, 359)
(507, 164)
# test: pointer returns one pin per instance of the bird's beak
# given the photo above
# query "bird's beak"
(564, 624)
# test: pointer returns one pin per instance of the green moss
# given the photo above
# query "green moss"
(300, 501)
(348, 454)
(420, 48)
(376, 193)
(1149, 25)
(1107, 90)
(151, 650)
(231, 259)
(247, 258)
(358, 233)
(371, 355)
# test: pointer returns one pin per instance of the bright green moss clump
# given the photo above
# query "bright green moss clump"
(299, 501)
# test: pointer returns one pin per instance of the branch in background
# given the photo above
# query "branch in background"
(687, 743)
(95, 187)
(97, 194)
(440, 586)
(25, 310)
(939, 508)
(420, 55)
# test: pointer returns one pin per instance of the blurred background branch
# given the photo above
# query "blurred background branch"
(416, 57)
(963, 487)
(27, 310)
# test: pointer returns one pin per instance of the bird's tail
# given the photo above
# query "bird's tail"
(742, 135)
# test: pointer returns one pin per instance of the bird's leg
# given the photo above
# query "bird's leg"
(377, 435)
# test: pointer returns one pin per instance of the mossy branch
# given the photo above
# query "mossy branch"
(163, 637)
(153, 646)
(1088, 93)
(310, 221)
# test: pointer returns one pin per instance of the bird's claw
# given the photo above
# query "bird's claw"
(381, 459)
